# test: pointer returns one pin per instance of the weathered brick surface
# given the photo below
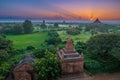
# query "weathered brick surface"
(24, 69)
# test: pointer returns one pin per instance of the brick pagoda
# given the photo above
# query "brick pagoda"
(72, 61)
(24, 69)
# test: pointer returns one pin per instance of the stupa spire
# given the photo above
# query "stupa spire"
(69, 44)
(97, 21)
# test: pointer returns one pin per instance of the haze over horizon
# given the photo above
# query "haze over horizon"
(61, 9)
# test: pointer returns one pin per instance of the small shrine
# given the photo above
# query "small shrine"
(24, 69)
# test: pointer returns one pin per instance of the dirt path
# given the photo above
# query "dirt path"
(112, 76)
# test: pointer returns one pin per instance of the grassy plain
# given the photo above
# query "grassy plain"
(24, 40)
(83, 37)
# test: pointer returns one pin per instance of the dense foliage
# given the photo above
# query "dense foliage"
(6, 48)
(18, 29)
(48, 68)
(80, 47)
(99, 27)
(43, 25)
(56, 25)
(40, 52)
(28, 27)
(53, 38)
(104, 49)
(102, 45)
(7, 56)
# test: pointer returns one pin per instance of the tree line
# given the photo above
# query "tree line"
(25, 28)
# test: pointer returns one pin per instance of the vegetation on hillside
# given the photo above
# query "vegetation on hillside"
(101, 51)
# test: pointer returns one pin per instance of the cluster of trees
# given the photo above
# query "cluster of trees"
(53, 38)
(40, 52)
(101, 53)
(44, 26)
(56, 25)
(7, 57)
(101, 46)
(26, 28)
(94, 28)
(80, 47)
(6, 48)
(47, 67)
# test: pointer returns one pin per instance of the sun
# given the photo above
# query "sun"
(91, 18)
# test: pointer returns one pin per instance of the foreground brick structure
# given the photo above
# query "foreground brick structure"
(24, 70)
(72, 61)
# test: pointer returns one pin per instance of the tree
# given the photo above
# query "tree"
(5, 44)
(18, 29)
(28, 27)
(56, 25)
(7, 30)
(53, 40)
(43, 25)
(6, 48)
(40, 52)
(3, 55)
(102, 46)
(80, 47)
(48, 68)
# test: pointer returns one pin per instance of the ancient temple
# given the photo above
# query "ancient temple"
(72, 61)
(24, 69)
(73, 29)
(97, 21)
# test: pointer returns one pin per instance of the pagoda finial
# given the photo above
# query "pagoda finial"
(69, 44)
(82, 55)
(97, 20)
(69, 37)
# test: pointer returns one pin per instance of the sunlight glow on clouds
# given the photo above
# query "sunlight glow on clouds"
(61, 9)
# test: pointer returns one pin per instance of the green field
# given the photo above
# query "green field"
(83, 37)
(22, 41)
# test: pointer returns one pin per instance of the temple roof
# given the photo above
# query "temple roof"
(97, 21)
(28, 59)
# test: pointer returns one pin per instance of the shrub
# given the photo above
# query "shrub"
(93, 66)
(30, 48)
(48, 68)
(40, 52)
(80, 47)
(101, 46)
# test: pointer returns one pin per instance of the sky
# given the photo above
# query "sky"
(61, 9)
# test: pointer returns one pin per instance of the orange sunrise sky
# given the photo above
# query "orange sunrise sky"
(61, 9)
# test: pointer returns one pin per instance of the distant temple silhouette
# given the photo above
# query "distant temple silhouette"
(97, 21)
